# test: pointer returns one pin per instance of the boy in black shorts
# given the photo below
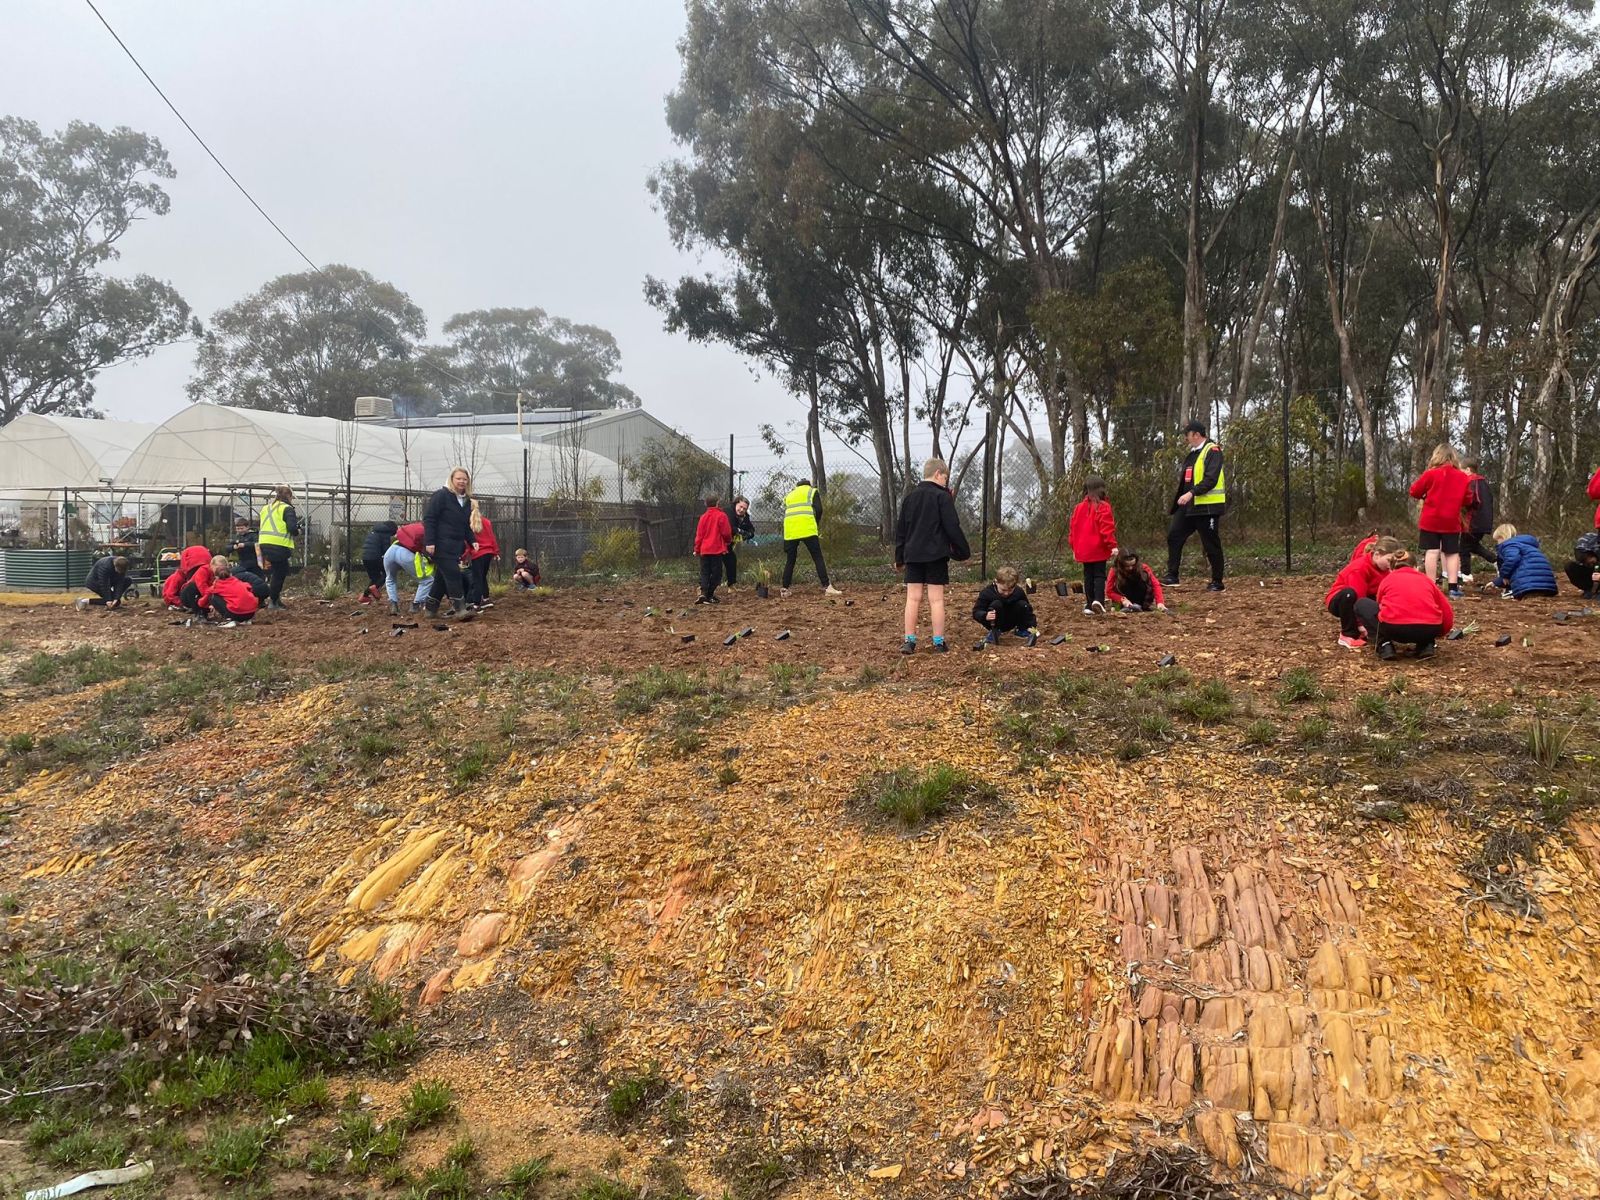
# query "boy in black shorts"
(926, 537)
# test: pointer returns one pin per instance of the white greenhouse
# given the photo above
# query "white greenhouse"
(48, 454)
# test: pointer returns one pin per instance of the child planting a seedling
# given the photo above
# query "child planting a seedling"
(1003, 605)
(1134, 586)
(1411, 611)
(1523, 570)
(1353, 598)
(1093, 535)
(231, 601)
(108, 580)
(927, 536)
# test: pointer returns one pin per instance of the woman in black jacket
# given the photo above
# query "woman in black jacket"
(446, 534)
(744, 530)
(926, 537)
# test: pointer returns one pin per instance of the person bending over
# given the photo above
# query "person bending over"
(1523, 570)
(1353, 598)
(108, 580)
(1134, 586)
(1411, 611)
(231, 600)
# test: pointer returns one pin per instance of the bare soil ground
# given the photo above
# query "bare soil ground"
(1329, 921)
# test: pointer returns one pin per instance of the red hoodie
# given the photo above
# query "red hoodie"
(236, 594)
(487, 544)
(1093, 532)
(1594, 494)
(1360, 573)
(1363, 546)
(1408, 597)
(714, 534)
(191, 560)
(1117, 597)
(1443, 492)
(410, 537)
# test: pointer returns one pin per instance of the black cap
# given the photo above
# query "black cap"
(1196, 427)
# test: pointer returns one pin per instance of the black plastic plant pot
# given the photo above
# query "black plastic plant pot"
(1061, 589)
(762, 591)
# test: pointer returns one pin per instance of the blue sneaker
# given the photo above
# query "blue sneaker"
(992, 638)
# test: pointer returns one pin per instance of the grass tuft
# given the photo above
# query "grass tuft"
(911, 796)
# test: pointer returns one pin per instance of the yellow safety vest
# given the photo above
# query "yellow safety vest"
(273, 530)
(799, 517)
(422, 568)
(1218, 494)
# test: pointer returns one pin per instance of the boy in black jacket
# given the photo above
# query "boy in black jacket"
(1004, 605)
(926, 537)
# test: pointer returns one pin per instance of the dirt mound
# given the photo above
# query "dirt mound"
(1185, 946)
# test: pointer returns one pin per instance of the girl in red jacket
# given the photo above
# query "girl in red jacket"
(1442, 488)
(1093, 534)
(712, 537)
(1134, 585)
(230, 600)
(1411, 609)
(1594, 494)
(479, 558)
(1353, 598)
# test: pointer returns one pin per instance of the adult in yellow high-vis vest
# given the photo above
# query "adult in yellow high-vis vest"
(802, 508)
(279, 526)
(1198, 505)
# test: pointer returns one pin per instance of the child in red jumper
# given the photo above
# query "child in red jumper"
(1411, 609)
(230, 600)
(1093, 534)
(192, 595)
(1444, 489)
(1134, 585)
(189, 561)
(1353, 598)
(712, 537)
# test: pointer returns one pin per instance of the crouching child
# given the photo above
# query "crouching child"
(1411, 611)
(1584, 569)
(1134, 586)
(1523, 570)
(1003, 606)
(524, 572)
(231, 600)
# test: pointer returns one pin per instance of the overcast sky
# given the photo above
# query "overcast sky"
(473, 152)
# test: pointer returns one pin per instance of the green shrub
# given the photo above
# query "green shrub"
(1208, 703)
(1260, 733)
(1313, 731)
(613, 551)
(429, 1101)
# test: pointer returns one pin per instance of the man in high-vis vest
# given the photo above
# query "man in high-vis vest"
(802, 508)
(279, 526)
(1198, 504)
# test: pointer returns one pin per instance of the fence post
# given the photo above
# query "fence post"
(66, 540)
(988, 484)
(1288, 537)
(527, 545)
(344, 564)
(205, 525)
(730, 473)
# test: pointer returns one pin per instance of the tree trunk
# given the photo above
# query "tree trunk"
(814, 458)
(1347, 363)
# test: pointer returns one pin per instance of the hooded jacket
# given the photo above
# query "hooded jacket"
(1523, 566)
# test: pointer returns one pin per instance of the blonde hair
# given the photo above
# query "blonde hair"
(935, 466)
(1502, 532)
(1390, 546)
(1443, 453)
(1007, 576)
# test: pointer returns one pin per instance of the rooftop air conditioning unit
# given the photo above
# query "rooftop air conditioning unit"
(374, 408)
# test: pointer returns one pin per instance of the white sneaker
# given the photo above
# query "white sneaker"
(228, 625)
(783, 591)
(1087, 611)
(1097, 608)
(1465, 578)
(830, 590)
(81, 604)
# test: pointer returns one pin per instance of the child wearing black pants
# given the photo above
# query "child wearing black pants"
(1093, 534)
(1003, 606)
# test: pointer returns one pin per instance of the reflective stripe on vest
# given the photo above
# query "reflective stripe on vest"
(273, 530)
(422, 566)
(1218, 494)
(799, 518)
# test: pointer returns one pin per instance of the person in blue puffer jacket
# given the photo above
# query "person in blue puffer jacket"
(1523, 568)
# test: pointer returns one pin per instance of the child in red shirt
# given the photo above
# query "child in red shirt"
(1411, 609)
(230, 600)
(1353, 598)
(712, 537)
(1444, 491)
(1093, 535)
(1134, 585)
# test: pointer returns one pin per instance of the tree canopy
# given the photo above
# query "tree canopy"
(492, 354)
(66, 200)
(1090, 220)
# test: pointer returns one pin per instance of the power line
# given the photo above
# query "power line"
(243, 191)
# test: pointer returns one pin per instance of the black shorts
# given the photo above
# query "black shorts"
(1449, 543)
(929, 572)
